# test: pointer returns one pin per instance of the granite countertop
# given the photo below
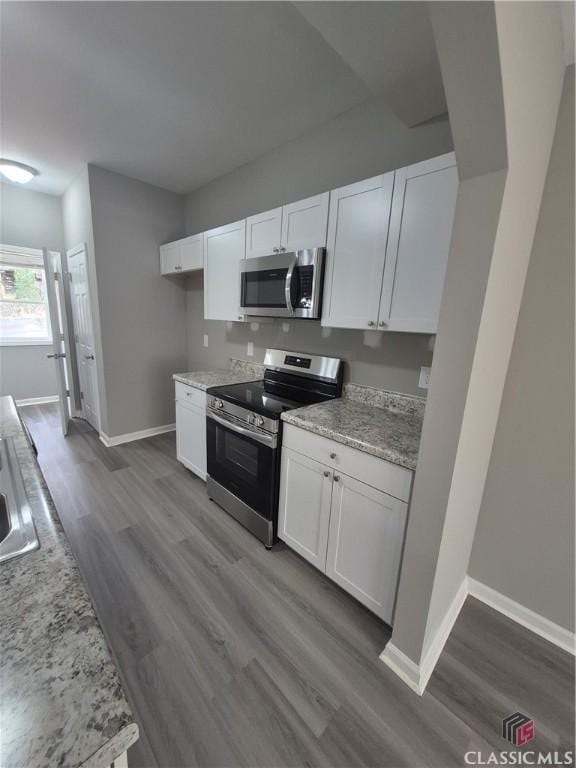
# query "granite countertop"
(390, 431)
(61, 701)
(206, 379)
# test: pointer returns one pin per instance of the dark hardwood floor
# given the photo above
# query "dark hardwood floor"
(235, 656)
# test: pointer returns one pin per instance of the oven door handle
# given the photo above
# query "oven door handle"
(259, 437)
(288, 285)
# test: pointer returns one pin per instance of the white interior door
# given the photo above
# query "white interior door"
(83, 333)
(53, 270)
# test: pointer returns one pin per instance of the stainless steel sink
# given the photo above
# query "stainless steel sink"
(17, 531)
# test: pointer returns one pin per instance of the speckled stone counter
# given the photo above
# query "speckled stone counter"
(389, 429)
(205, 379)
(61, 701)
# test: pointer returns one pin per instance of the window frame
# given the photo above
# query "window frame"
(16, 256)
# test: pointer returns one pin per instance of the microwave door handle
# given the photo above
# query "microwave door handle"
(288, 286)
(258, 436)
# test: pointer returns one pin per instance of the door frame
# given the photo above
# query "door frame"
(52, 261)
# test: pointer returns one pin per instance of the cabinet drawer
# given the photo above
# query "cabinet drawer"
(380, 474)
(190, 395)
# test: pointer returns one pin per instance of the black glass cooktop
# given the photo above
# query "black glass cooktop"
(266, 398)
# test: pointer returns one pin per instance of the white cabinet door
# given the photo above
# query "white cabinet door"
(304, 507)
(192, 253)
(304, 223)
(224, 248)
(418, 245)
(170, 258)
(357, 234)
(263, 233)
(191, 437)
(365, 543)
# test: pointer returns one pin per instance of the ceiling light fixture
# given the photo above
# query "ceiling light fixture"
(17, 171)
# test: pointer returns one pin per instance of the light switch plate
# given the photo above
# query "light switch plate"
(250, 349)
(205, 339)
(424, 380)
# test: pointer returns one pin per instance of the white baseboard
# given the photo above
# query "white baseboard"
(404, 667)
(129, 437)
(547, 629)
(418, 675)
(37, 400)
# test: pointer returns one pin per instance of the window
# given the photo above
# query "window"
(24, 317)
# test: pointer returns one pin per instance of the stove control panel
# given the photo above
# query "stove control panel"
(215, 403)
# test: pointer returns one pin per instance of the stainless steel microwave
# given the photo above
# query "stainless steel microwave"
(283, 285)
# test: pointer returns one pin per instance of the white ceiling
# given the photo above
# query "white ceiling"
(177, 94)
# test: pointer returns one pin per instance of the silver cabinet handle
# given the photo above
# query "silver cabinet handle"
(88, 357)
(332, 455)
(336, 478)
(326, 473)
(275, 250)
(382, 324)
(57, 355)
(177, 268)
(371, 323)
(282, 249)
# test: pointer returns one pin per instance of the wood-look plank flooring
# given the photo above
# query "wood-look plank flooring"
(235, 656)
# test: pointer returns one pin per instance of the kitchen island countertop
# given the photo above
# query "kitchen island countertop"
(61, 700)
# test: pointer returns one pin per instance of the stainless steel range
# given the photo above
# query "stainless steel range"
(244, 430)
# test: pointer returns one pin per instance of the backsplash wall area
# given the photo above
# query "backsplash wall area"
(377, 359)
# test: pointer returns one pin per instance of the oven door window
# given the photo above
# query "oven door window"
(243, 466)
(264, 288)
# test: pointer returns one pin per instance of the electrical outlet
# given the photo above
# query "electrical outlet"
(250, 349)
(285, 327)
(424, 380)
(205, 339)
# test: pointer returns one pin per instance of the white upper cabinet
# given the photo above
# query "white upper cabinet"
(184, 255)
(304, 223)
(170, 258)
(387, 252)
(192, 252)
(263, 233)
(357, 234)
(224, 248)
(418, 245)
(293, 227)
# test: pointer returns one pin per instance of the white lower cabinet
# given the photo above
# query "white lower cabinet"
(365, 543)
(305, 496)
(191, 430)
(348, 529)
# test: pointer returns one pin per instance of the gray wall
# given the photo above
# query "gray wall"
(363, 142)
(384, 360)
(513, 52)
(34, 220)
(527, 513)
(142, 315)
